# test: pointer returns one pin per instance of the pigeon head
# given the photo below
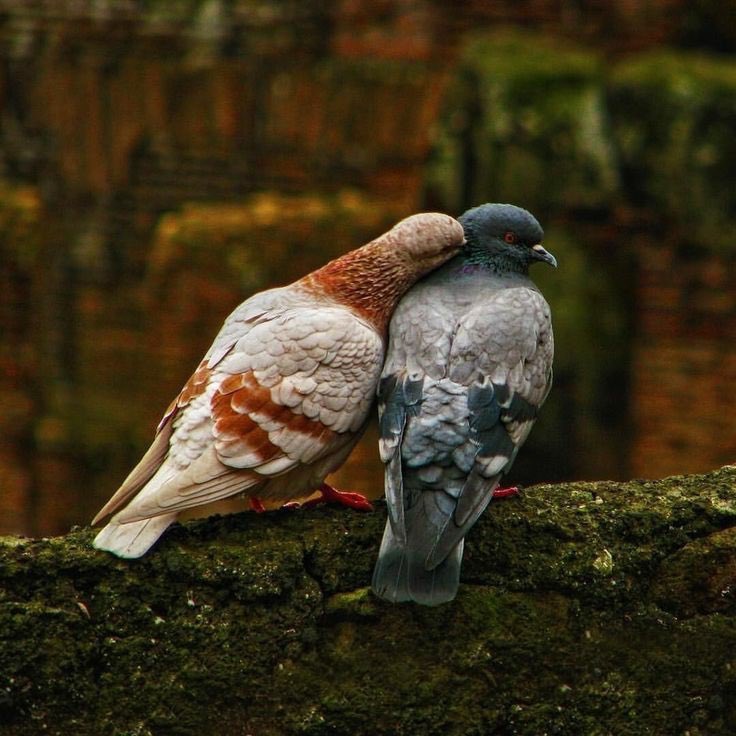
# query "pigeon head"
(427, 240)
(504, 237)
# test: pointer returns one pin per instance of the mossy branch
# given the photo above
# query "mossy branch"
(591, 608)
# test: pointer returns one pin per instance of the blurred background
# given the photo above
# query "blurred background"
(160, 161)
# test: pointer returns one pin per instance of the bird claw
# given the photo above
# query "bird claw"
(506, 492)
(355, 501)
(257, 505)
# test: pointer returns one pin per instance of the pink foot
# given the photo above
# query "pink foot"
(344, 498)
(257, 505)
(505, 492)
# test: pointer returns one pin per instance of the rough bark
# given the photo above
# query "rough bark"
(585, 608)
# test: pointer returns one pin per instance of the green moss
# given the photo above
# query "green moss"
(673, 115)
(358, 602)
(538, 123)
(266, 621)
(699, 578)
(678, 71)
(525, 123)
(518, 56)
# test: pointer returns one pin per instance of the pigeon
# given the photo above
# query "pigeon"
(283, 394)
(469, 365)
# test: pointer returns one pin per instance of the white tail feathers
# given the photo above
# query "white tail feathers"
(135, 538)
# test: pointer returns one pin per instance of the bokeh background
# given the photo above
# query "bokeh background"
(160, 161)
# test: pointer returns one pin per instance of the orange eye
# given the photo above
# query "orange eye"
(510, 237)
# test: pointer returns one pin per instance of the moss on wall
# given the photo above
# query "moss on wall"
(534, 121)
(673, 116)
(525, 122)
(595, 608)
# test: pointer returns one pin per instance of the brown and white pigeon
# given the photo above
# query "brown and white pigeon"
(283, 394)
(468, 366)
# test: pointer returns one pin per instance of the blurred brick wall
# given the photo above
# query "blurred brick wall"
(684, 369)
(269, 114)
(116, 113)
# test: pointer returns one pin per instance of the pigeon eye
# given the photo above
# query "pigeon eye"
(510, 237)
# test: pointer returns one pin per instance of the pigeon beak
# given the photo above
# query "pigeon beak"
(541, 254)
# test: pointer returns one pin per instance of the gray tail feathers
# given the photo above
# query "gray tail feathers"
(401, 575)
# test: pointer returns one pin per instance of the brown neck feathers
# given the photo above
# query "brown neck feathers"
(370, 280)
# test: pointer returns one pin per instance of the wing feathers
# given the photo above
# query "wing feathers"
(250, 429)
(494, 410)
(399, 397)
(139, 476)
(156, 453)
(205, 480)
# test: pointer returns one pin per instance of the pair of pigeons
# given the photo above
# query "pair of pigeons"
(439, 316)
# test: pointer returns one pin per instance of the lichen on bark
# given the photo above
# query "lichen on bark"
(596, 608)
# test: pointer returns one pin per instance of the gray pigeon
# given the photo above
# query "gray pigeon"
(469, 364)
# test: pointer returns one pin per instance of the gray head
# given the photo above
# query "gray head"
(503, 236)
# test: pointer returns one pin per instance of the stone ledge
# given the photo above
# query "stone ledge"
(596, 608)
